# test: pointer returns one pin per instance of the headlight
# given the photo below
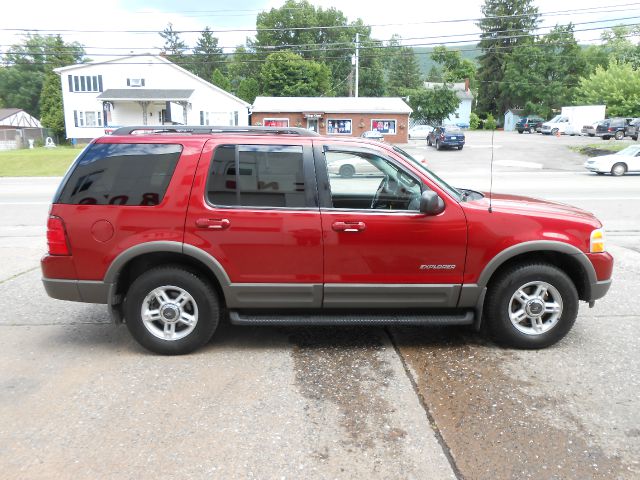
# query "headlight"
(596, 243)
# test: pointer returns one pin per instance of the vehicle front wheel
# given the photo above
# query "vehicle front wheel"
(618, 169)
(532, 130)
(554, 131)
(438, 145)
(171, 311)
(460, 147)
(347, 171)
(429, 142)
(531, 305)
(520, 131)
(619, 135)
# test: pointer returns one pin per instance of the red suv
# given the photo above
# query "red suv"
(171, 226)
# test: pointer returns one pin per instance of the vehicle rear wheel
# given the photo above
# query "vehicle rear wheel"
(347, 171)
(438, 145)
(619, 135)
(171, 311)
(532, 130)
(460, 147)
(635, 139)
(606, 138)
(429, 142)
(619, 169)
(520, 131)
(531, 305)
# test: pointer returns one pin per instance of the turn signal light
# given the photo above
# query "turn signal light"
(57, 237)
(596, 244)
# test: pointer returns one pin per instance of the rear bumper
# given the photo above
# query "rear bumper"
(77, 291)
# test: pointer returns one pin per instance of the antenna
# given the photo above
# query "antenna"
(491, 174)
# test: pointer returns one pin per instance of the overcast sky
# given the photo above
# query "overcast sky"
(414, 20)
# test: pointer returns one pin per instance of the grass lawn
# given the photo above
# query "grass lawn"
(37, 162)
(604, 148)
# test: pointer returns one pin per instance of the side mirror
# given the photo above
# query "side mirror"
(431, 203)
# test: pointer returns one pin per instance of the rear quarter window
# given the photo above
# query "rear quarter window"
(121, 174)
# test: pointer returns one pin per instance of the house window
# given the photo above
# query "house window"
(87, 119)
(276, 122)
(135, 82)
(386, 127)
(339, 126)
(85, 83)
(222, 119)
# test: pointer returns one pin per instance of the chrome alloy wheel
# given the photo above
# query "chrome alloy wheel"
(169, 313)
(535, 308)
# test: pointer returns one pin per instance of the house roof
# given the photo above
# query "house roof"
(148, 94)
(7, 112)
(331, 105)
(151, 58)
(515, 111)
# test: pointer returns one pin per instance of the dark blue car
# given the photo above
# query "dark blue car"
(446, 136)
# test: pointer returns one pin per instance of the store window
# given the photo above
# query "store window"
(386, 127)
(276, 122)
(339, 126)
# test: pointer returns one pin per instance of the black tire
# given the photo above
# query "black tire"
(203, 305)
(532, 130)
(619, 135)
(605, 137)
(618, 169)
(520, 131)
(599, 173)
(429, 144)
(460, 147)
(554, 131)
(347, 171)
(635, 139)
(438, 147)
(500, 301)
(592, 134)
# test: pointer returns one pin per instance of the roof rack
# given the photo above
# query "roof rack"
(204, 130)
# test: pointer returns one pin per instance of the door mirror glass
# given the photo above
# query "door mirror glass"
(431, 203)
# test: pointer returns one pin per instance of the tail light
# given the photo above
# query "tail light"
(442, 136)
(57, 240)
(610, 129)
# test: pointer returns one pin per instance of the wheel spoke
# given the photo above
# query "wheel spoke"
(536, 324)
(182, 299)
(519, 316)
(152, 315)
(541, 292)
(551, 307)
(161, 296)
(522, 296)
(187, 319)
(169, 330)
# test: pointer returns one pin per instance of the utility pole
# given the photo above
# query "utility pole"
(357, 60)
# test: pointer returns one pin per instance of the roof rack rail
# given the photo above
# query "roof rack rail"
(204, 130)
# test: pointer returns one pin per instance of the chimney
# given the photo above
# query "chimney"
(466, 84)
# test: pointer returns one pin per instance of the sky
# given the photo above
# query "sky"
(418, 22)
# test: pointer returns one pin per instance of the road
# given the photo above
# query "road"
(78, 398)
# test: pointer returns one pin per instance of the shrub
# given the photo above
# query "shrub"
(490, 123)
(474, 121)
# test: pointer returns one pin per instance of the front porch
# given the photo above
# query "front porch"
(145, 106)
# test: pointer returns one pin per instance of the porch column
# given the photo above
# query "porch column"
(144, 106)
(184, 106)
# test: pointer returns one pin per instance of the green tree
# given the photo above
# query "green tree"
(207, 56)
(26, 65)
(453, 68)
(404, 71)
(220, 80)
(618, 44)
(617, 87)
(288, 74)
(51, 105)
(244, 64)
(371, 81)
(432, 106)
(248, 89)
(174, 47)
(506, 24)
(291, 28)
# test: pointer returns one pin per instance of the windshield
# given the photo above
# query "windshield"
(452, 129)
(629, 151)
(555, 119)
(454, 192)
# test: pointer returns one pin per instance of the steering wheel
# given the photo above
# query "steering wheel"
(388, 186)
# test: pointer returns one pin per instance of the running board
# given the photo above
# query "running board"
(329, 318)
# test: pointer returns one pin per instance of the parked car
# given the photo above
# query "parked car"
(373, 135)
(590, 129)
(449, 136)
(171, 227)
(348, 166)
(529, 124)
(619, 163)
(420, 131)
(617, 128)
(633, 129)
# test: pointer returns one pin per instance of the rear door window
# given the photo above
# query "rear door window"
(121, 174)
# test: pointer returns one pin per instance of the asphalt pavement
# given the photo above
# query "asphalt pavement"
(80, 399)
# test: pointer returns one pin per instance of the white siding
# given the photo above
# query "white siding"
(157, 74)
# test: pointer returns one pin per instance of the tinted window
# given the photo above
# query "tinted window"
(121, 174)
(257, 176)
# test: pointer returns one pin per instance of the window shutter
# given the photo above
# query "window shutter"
(128, 82)
(201, 117)
(100, 83)
(75, 118)
(143, 82)
(70, 78)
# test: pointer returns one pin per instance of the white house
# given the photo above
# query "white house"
(462, 115)
(142, 90)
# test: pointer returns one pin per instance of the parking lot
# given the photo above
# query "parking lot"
(80, 399)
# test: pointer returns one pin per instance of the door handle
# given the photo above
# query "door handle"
(213, 223)
(348, 226)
